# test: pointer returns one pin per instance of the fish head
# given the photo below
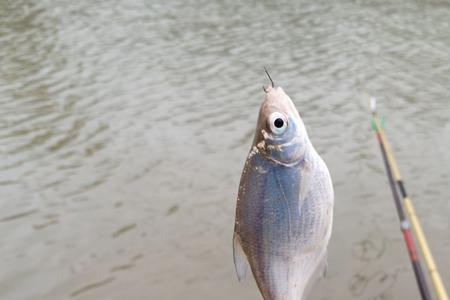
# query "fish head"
(280, 133)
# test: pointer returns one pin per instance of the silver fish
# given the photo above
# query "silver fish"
(284, 209)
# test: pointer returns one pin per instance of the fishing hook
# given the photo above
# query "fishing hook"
(271, 81)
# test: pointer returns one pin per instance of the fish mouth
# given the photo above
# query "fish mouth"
(268, 88)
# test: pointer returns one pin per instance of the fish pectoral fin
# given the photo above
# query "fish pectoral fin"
(240, 259)
(323, 266)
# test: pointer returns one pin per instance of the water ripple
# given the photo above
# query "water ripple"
(143, 111)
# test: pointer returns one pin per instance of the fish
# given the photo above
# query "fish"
(284, 207)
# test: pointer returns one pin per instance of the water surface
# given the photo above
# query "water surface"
(124, 127)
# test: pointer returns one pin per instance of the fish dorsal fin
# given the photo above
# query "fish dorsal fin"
(240, 259)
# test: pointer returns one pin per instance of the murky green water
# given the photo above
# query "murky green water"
(124, 126)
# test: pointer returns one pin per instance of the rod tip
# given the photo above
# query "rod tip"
(373, 104)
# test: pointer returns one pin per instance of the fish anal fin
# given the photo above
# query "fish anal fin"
(240, 259)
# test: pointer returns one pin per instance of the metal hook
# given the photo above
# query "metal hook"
(271, 81)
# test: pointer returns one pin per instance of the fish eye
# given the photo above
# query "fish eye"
(277, 123)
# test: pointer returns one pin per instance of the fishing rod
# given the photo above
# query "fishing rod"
(417, 228)
(404, 223)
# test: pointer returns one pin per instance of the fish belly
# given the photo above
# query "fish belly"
(283, 236)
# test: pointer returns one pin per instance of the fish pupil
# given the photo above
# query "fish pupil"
(278, 123)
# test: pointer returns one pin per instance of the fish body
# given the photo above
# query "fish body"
(285, 201)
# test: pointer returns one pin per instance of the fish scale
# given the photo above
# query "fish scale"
(285, 203)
